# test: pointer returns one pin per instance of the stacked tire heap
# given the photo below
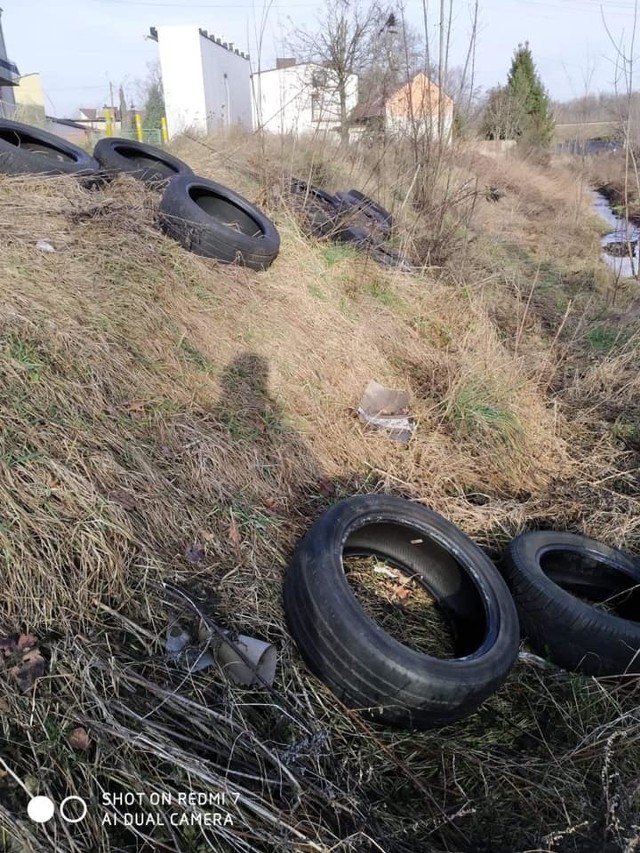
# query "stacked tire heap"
(348, 217)
(205, 217)
(576, 601)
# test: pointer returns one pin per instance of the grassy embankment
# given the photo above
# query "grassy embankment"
(152, 400)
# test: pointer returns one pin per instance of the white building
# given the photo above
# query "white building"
(299, 99)
(206, 82)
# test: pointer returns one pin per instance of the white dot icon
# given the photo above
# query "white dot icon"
(40, 809)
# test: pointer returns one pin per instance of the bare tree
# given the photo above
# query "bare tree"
(341, 43)
(395, 55)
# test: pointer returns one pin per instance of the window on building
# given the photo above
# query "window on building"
(319, 79)
(316, 107)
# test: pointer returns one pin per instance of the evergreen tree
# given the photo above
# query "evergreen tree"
(520, 110)
(154, 106)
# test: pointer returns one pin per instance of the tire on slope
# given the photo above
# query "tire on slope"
(368, 669)
(214, 221)
(152, 165)
(27, 150)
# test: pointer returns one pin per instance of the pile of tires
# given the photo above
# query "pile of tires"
(205, 217)
(348, 217)
(551, 591)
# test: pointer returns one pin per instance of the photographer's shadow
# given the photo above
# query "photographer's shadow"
(274, 464)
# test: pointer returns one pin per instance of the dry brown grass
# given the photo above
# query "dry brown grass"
(151, 399)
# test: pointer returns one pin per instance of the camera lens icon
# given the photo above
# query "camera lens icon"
(40, 809)
(72, 809)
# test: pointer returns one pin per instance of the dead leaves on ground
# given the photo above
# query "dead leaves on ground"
(234, 533)
(79, 739)
(22, 660)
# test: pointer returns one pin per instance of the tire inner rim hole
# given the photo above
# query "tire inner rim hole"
(414, 590)
(594, 581)
(226, 212)
(36, 146)
(146, 161)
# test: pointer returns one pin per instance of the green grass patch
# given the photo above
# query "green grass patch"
(604, 339)
(27, 356)
(474, 409)
(380, 291)
(192, 354)
(316, 291)
(336, 252)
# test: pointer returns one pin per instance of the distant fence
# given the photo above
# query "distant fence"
(589, 147)
(78, 132)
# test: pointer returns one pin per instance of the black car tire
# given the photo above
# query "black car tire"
(546, 571)
(152, 165)
(384, 255)
(368, 669)
(369, 207)
(213, 221)
(27, 150)
(320, 209)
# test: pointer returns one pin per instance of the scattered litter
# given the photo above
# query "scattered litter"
(528, 657)
(234, 534)
(388, 573)
(197, 660)
(385, 409)
(44, 246)
(177, 640)
(493, 193)
(245, 660)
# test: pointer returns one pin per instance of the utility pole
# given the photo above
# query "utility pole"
(111, 94)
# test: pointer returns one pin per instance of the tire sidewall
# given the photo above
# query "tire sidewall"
(111, 159)
(179, 214)
(26, 162)
(529, 548)
(325, 574)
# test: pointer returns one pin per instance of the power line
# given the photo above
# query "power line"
(229, 6)
(581, 6)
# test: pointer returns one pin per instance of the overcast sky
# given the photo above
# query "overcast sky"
(79, 46)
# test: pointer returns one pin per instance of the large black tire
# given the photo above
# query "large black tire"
(145, 162)
(211, 220)
(26, 150)
(546, 570)
(369, 207)
(364, 666)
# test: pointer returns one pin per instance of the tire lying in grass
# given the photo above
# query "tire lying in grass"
(578, 601)
(320, 208)
(360, 237)
(26, 150)
(381, 219)
(145, 162)
(388, 257)
(366, 667)
(215, 222)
